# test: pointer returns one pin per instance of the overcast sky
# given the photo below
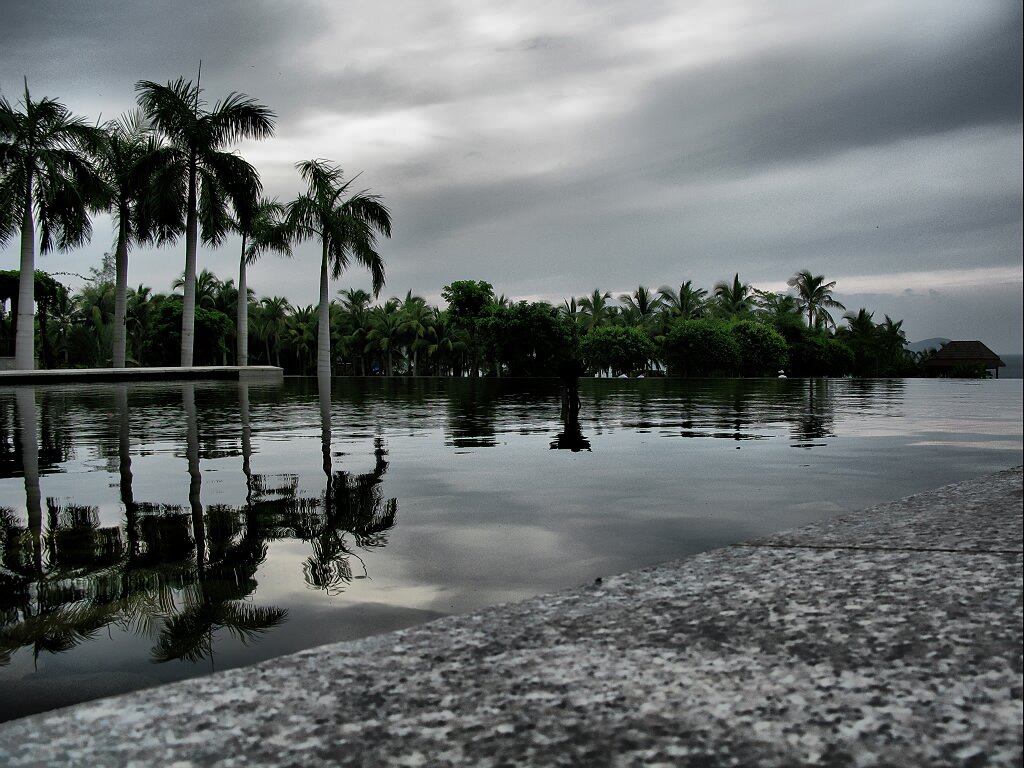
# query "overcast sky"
(552, 148)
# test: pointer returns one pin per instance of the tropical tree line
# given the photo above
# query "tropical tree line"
(166, 172)
(731, 330)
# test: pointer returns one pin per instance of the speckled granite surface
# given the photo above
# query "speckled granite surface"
(889, 637)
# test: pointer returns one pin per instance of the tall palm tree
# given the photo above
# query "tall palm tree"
(686, 303)
(347, 227)
(815, 296)
(142, 212)
(265, 231)
(46, 179)
(210, 176)
(735, 298)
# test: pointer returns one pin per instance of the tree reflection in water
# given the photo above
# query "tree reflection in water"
(571, 437)
(181, 576)
(352, 505)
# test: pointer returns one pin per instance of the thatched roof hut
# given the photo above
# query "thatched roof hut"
(962, 356)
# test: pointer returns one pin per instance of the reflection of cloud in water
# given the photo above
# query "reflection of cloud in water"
(1004, 445)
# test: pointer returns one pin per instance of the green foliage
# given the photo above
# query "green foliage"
(762, 350)
(162, 345)
(527, 339)
(701, 348)
(467, 299)
(619, 349)
(814, 352)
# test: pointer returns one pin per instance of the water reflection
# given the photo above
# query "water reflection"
(182, 576)
(571, 437)
(129, 536)
(815, 422)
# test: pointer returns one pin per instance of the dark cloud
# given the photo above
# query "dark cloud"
(92, 53)
(786, 104)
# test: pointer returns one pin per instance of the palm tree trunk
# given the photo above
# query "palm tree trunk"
(323, 345)
(243, 408)
(195, 484)
(324, 395)
(125, 470)
(120, 295)
(188, 309)
(25, 403)
(243, 311)
(25, 336)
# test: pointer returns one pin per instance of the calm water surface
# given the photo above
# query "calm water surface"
(154, 532)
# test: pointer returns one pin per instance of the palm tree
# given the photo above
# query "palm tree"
(205, 288)
(139, 318)
(347, 228)
(355, 324)
(209, 176)
(641, 306)
(595, 309)
(266, 230)
(815, 295)
(862, 337)
(143, 213)
(780, 309)
(734, 298)
(47, 179)
(417, 326)
(300, 334)
(686, 303)
(273, 313)
(386, 332)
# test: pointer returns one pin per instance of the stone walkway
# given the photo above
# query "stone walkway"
(892, 636)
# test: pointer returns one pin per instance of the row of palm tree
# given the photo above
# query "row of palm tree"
(729, 299)
(406, 334)
(165, 171)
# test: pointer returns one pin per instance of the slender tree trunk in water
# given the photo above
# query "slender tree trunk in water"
(188, 309)
(120, 343)
(243, 312)
(324, 392)
(323, 345)
(195, 484)
(124, 457)
(25, 336)
(28, 438)
(243, 408)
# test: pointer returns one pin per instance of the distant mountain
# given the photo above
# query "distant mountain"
(921, 346)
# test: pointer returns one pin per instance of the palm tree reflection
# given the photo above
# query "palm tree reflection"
(571, 437)
(815, 420)
(353, 505)
(182, 575)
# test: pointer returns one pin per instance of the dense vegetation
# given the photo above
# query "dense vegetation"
(477, 333)
(167, 172)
